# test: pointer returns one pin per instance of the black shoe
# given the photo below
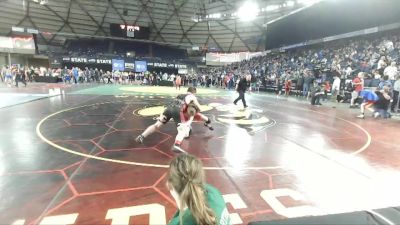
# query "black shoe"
(245, 106)
(234, 103)
(208, 124)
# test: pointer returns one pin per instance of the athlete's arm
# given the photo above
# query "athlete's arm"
(196, 103)
(192, 98)
(189, 121)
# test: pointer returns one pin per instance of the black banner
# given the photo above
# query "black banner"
(129, 65)
(86, 60)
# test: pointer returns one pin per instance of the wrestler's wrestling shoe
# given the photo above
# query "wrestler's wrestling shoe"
(208, 124)
(361, 116)
(139, 139)
(177, 149)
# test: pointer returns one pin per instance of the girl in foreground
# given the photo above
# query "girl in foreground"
(198, 203)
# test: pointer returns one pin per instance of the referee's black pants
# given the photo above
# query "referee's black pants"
(241, 96)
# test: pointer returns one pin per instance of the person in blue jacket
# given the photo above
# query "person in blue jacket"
(369, 98)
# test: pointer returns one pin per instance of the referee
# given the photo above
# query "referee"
(241, 87)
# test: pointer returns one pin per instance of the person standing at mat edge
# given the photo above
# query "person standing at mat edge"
(241, 89)
(198, 203)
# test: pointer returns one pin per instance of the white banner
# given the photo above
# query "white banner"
(23, 45)
(6, 42)
(228, 58)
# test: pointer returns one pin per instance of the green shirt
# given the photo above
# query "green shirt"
(216, 203)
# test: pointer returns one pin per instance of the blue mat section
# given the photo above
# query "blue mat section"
(11, 99)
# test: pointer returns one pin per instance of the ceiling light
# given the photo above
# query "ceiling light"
(195, 19)
(217, 15)
(290, 3)
(308, 2)
(271, 8)
(248, 11)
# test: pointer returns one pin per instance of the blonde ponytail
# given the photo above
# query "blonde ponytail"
(186, 176)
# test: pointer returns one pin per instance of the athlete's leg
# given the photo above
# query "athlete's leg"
(152, 128)
(183, 132)
(202, 117)
(369, 106)
(183, 127)
(366, 105)
(199, 117)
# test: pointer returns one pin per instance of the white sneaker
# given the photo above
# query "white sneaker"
(178, 149)
(376, 115)
(139, 139)
(361, 116)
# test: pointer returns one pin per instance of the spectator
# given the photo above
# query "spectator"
(299, 84)
(308, 80)
(288, 86)
(327, 89)
(335, 88)
(385, 82)
(376, 74)
(316, 92)
(381, 65)
(358, 86)
(369, 99)
(396, 91)
(382, 104)
(75, 73)
(391, 71)
(198, 203)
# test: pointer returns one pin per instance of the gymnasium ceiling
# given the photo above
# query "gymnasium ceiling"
(182, 23)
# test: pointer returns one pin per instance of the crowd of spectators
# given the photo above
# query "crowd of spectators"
(122, 49)
(312, 71)
(12, 75)
(326, 68)
(343, 58)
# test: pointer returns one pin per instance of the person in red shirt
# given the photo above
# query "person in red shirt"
(288, 86)
(358, 84)
(178, 82)
(327, 88)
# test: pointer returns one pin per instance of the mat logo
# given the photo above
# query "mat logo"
(156, 212)
(252, 120)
